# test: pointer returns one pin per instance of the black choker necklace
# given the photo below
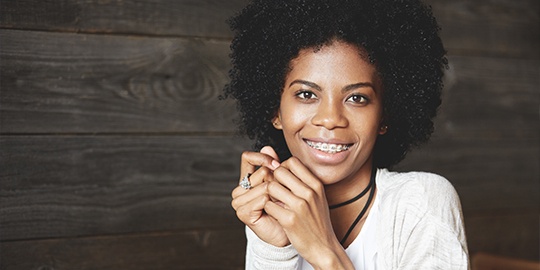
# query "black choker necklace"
(371, 186)
(371, 182)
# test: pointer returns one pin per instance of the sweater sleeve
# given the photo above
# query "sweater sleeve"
(263, 256)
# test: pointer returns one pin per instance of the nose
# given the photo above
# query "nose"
(329, 115)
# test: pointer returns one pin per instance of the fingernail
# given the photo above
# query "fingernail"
(275, 164)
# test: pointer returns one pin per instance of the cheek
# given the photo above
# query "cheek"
(294, 117)
(366, 124)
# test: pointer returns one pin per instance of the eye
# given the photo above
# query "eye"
(358, 99)
(305, 95)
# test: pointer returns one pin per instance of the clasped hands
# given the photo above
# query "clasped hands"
(286, 205)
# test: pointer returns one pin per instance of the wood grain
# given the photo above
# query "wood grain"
(201, 18)
(112, 84)
(507, 234)
(489, 27)
(486, 261)
(485, 27)
(490, 98)
(198, 249)
(487, 133)
(484, 172)
(87, 185)
(66, 186)
(75, 83)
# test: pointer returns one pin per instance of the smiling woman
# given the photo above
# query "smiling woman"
(332, 100)
(335, 93)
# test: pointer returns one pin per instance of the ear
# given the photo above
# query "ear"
(383, 129)
(276, 122)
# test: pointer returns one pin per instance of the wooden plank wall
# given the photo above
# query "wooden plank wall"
(115, 152)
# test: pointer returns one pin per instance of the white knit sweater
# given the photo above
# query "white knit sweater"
(419, 226)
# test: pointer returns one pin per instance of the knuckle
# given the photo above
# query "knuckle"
(310, 196)
(234, 204)
(293, 161)
(265, 172)
(288, 220)
(265, 199)
(245, 155)
(301, 204)
(318, 187)
(235, 193)
(241, 212)
(271, 185)
(279, 172)
(287, 162)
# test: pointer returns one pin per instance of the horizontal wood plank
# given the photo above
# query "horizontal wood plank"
(76, 83)
(487, 97)
(62, 186)
(486, 261)
(489, 175)
(172, 85)
(201, 249)
(202, 18)
(489, 27)
(84, 185)
(513, 235)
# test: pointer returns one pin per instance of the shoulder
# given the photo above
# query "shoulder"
(420, 192)
(403, 184)
(420, 221)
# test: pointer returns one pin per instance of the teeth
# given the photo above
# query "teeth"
(328, 147)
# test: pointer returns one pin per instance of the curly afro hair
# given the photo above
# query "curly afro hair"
(401, 40)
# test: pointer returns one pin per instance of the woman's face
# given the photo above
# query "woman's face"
(331, 110)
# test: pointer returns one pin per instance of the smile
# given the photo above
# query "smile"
(328, 147)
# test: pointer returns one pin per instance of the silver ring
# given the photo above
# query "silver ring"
(245, 182)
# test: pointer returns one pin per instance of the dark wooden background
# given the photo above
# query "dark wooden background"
(115, 152)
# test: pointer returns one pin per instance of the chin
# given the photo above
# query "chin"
(327, 176)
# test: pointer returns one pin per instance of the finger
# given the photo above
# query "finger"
(295, 166)
(263, 174)
(250, 212)
(282, 215)
(251, 160)
(244, 197)
(284, 176)
(268, 150)
(288, 199)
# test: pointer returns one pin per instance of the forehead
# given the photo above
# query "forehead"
(337, 59)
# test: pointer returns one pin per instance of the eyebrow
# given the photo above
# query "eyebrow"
(345, 89)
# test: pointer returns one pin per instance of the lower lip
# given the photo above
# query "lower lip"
(328, 158)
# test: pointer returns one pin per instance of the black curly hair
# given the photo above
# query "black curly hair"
(400, 37)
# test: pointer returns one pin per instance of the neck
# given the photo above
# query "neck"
(346, 217)
(349, 187)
